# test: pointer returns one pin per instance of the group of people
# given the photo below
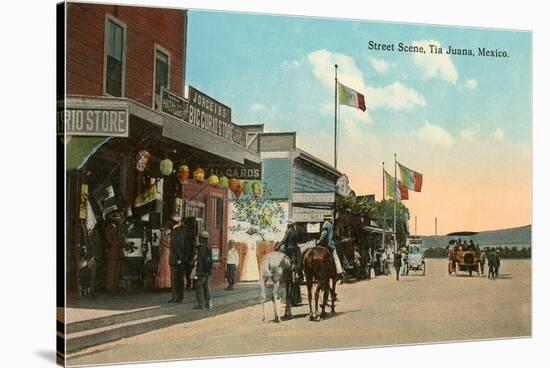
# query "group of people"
(326, 239)
(489, 255)
(186, 258)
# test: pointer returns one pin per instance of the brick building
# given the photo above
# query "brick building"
(125, 51)
(131, 142)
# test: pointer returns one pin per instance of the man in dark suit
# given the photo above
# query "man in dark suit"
(180, 258)
(204, 268)
(292, 250)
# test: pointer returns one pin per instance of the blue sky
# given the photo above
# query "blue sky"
(450, 116)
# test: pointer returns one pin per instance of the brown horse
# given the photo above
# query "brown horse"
(319, 266)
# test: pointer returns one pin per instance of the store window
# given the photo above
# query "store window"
(115, 50)
(162, 73)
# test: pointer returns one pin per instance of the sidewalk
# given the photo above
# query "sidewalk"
(109, 317)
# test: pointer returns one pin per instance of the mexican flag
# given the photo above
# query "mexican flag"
(349, 97)
(396, 192)
(411, 179)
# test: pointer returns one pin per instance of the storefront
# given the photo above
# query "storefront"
(148, 165)
(302, 181)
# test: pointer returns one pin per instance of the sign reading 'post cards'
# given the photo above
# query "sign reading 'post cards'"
(95, 122)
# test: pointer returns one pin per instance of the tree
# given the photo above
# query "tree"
(375, 211)
(257, 216)
(402, 217)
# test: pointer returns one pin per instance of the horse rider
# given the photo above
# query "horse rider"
(292, 250)
(327, 240)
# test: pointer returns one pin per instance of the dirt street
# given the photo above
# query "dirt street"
(382, 311)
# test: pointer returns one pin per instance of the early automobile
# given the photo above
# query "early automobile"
(415, 257)
(463, 255)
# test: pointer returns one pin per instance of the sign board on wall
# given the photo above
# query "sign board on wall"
(111, 122)
(174, 105)
(311, 197)
(214, 117)
(249, 171)
(313, 227)
(302, 214)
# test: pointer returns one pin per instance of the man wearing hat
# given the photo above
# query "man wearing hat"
(327, 240)
(181, 254)
(204, 267)
(292, 250)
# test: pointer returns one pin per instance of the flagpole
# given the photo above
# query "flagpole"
(395, 199)
(335, 113)
(384, 206)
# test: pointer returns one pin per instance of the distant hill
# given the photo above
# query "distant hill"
(520, 236)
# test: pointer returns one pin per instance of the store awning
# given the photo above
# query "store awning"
(79, 150)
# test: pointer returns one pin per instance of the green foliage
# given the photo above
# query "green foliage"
(402, 217)
(375, 211)
(354, 207)
(257, 215)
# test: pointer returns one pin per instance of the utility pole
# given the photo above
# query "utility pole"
(436, 226)
(415, 226)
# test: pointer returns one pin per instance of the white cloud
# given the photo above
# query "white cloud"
(395, 96)
(379, 65)
(435, 65)
(435, 135)
(257, 107)
(470, 133)
(499, 134)
(471, 83)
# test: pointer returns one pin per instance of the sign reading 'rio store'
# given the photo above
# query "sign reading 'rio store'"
(112, 122)
(213, 116)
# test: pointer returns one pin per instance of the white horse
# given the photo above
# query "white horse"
(277, 267)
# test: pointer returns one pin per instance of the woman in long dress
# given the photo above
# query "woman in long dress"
(163, 280)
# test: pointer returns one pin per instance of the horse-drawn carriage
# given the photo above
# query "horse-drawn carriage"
(463, 256)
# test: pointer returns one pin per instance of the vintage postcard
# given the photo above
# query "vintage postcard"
(236, 182)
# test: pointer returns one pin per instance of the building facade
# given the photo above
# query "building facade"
(136, 144)
(304, 183)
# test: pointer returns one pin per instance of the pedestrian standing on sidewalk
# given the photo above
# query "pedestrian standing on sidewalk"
(397, 264)
(115, 250)
(204, 266)
(180, 258)
(232, 265)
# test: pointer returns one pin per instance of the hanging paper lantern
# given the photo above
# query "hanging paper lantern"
(142, 160)
(213, 180)
(183, 174)
(235, 187)
(257, 189)
(238, 191)
(245, 186)
(198, 175)
(224, 182)
(166, 167)
(233, 184)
